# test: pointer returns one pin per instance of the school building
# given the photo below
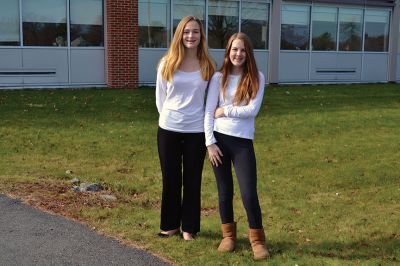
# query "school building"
(118, 43)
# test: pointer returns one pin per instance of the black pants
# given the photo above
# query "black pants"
(240, 152)
(176, 150)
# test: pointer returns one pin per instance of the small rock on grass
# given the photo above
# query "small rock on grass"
(84, 187)
(108, 197)
(75, 181)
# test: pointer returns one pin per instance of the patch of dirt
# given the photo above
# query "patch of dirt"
(59, 198)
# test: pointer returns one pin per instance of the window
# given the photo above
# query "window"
(324, 28)
(295, 28)
(86, 22)
(350, 29)
(9, 23)
(153, 23)
(44, 22)
(376, 31)
(255, 20)
(223, 21)
(184, 8)
(398, 41)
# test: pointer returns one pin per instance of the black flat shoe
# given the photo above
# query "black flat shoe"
(162, 234)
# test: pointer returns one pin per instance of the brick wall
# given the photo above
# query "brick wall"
(122, 43)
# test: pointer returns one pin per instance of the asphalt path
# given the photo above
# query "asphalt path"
(32, 237)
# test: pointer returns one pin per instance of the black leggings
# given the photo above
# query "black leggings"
(240, 152)
(176, 150)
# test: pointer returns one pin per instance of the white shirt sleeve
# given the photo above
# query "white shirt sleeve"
(252, 108)
(211, 105)
(161, 89)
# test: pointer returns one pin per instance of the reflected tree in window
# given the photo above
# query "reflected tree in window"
(324, 27)
(295, 27)
(350, 37)
(255, 23)
(184, 8)
(324, 42)
(376, 31)
(86, 23)
(350, 28)
(223, 21)
(44, 22)
(153, 23)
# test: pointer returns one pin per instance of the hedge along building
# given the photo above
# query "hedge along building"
(118, 43)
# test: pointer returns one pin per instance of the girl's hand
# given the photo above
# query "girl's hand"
(214, 154)
(219, 112)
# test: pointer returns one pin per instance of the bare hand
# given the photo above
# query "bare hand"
(219, 112)
(214, 154)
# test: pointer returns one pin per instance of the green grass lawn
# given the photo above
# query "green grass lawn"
(328, 159)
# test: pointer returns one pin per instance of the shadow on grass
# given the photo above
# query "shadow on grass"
(384, 248)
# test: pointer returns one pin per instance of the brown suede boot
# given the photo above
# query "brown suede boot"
(228, 237)
(257, 240)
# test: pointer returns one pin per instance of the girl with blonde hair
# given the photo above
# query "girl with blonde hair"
(233, 101)
(182, 78)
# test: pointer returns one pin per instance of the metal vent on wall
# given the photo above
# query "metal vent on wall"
(27, 72)
(336, 71)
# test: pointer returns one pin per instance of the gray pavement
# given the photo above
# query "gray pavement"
(31, 237)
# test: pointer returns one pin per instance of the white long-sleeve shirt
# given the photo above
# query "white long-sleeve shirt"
(180, 103)
(239, 119)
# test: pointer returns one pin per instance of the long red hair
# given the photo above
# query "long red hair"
(249, 82)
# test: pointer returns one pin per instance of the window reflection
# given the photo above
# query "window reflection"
(153, 23)
(376, 31)
(86, 27)
(9, 22)
(324, 27)
(44, 26)
(295, 28)
(398, 41)
(255, 23)
(184, 8)
(350, 29)
(223, 21)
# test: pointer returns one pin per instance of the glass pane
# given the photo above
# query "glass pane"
(350, 29)
(324, 28)
(86, 22)
(376, 31)
(184, 8)
(398, 43)
(9, 22)
(223, 21)
(44, 22)
(153, 23)
(295, 28)
(255, 22)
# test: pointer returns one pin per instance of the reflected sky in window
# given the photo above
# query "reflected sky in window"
(9, 20)
(295, 15)
(88, 12)
(153, 13)
(184, 8)
(54, 11)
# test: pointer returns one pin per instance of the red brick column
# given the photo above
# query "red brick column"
(122, 43)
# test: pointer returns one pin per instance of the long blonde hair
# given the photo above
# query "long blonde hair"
(249, 82)
(173, 58)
